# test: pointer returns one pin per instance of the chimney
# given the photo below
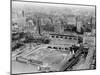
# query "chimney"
(23, 13)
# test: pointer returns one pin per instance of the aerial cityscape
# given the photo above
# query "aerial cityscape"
(48, 37)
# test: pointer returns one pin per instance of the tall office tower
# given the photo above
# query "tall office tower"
(79, 25)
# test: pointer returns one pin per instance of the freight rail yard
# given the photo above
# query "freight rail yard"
(44, 42)
(53, 57)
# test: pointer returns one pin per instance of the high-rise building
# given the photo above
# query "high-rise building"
(79, 25)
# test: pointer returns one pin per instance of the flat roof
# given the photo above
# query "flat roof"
(64, 35)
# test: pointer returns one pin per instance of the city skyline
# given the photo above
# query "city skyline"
(54, 8)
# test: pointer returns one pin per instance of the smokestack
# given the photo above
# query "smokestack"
(76, 21)
(23, 13)
(91, 22)
(38, 25)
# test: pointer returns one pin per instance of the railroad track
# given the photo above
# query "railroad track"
(74, 60)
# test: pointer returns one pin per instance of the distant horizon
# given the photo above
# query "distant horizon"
(49, 7)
